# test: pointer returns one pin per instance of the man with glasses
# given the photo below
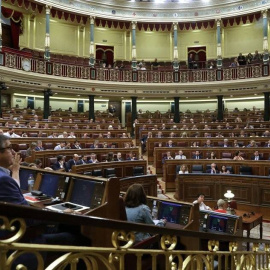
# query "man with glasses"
(10, 192)
(9, 165)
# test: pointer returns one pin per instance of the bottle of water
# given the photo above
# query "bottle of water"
(31, 182)
(154, 210)
(205, 223)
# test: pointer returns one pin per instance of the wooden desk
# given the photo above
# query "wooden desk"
(251, 221)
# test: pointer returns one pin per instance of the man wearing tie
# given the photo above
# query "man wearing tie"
(213, 169)
(39, 146)
(180, 155)
(197, 155)
(267, 144)
(256, 156)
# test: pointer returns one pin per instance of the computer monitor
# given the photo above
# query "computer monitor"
(217, 223)
(170, 211)
(53, 185)
(87, 193)
(24, 175)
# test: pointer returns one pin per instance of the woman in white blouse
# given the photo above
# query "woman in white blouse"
(183, 169)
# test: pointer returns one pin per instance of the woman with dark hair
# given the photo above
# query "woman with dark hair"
(137, 210)
(224, 170)
(238, 156)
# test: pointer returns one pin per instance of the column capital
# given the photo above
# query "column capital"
(48, 9)
(218, 22)
(175, 25)
(134, 25)
(92, 19)
(264, 13)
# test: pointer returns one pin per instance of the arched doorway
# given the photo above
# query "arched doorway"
(105, 54)
(199, 56)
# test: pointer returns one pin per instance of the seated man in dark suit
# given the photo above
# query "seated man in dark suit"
(225, 143)
(118, 157)
(83, 160)
(256, 156)
(39, 146)
(76, 145)
(213, 169)
(197, 155)
(60, 164)
(267, 144)
(73, 161)
(208, 144)
(170, 144)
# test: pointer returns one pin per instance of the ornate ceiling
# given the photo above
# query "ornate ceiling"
(182, 10)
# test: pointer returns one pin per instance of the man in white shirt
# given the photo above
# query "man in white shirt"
(202, 205)
(11, 134)
(180, 155)
(60, 146)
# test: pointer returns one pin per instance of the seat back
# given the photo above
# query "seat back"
(226, 155)
(245, 170)
(97, 173)
(48, 145)
(177, 169)
(109, 172)
(197, 168)
(230, 168)
(138, 171)
(51, 161)
(22, 146)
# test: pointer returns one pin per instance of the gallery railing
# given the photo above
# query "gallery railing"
(17, 59)
(122, 252)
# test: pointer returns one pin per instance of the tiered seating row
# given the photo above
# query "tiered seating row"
(258, 168)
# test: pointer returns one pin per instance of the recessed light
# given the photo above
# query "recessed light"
(78, 95)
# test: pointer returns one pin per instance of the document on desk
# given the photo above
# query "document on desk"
(67, 205)
(156, 221)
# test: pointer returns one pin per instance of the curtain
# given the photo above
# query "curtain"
(15, 23)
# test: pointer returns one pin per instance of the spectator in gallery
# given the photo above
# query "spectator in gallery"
(155, 65)
(234, 63)
(221, 206)
(257, 56)
(241, 59)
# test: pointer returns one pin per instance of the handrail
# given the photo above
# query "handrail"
(14, 60)
(18, 211)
